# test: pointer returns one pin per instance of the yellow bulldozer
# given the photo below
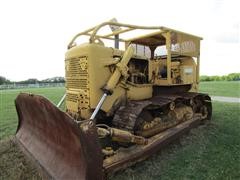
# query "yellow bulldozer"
(126, 98)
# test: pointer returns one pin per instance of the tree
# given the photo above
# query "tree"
(205, 78)
(54, 80)
(3, 80)
(229, 77)
(234, 76)
(29, 81)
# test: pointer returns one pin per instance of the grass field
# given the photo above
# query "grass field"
(8, 115)
(221, 88)
(210, 151)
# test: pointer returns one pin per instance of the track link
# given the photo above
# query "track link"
(127, 116)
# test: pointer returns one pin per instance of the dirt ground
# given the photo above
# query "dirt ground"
(21, 168)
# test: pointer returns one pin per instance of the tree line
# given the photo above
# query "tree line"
(4, 80)
(229, 77)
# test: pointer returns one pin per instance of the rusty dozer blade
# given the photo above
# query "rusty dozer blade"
(62, 148)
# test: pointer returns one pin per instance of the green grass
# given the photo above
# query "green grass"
(8, 115)
(210, 151)
(221, 88)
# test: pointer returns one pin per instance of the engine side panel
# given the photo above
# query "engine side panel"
(87, 71)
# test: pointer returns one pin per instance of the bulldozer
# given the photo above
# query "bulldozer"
(126, 98)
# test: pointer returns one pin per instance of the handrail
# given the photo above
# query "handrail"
(94, 36)
(97, 28)
(92, 32)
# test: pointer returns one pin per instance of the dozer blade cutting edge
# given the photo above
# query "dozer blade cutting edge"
(61, 148)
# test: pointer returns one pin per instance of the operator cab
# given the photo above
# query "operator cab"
(173, 57)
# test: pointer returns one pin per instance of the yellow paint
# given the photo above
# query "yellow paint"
(92, 67)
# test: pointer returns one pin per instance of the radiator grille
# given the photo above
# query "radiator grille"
(77, 83)
(77, 73)
(76, 68)
(71, 97)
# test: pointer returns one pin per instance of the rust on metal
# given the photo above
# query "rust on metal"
(126, 117)
(61, 148)
(64, 149)
(128, 156)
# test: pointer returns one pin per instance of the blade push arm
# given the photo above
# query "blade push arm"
(120, 71)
